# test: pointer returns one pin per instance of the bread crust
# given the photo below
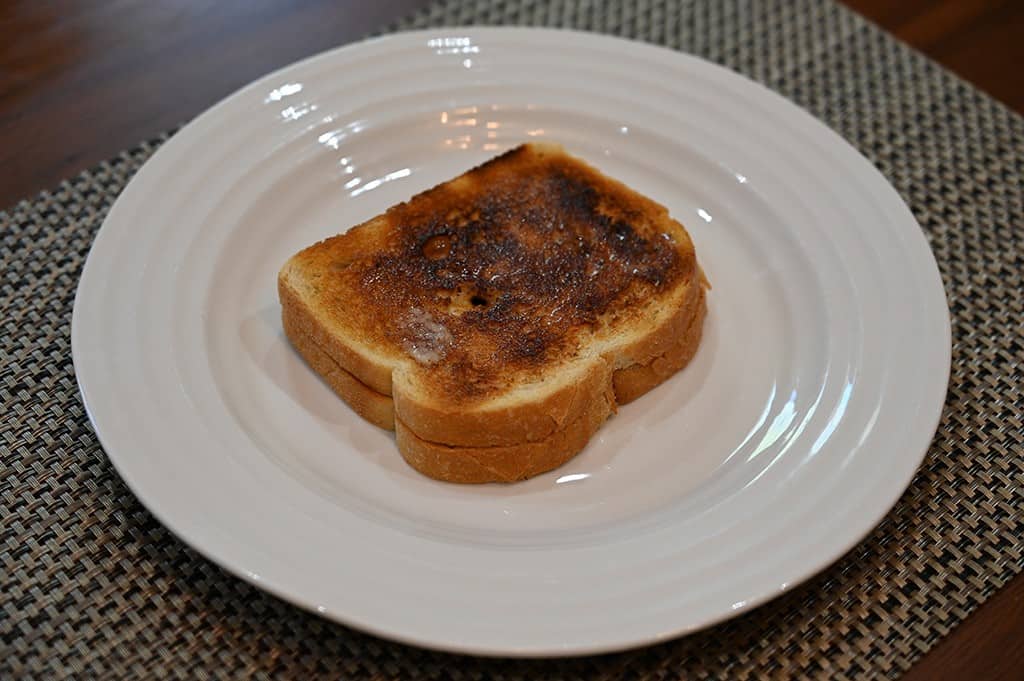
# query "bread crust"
(506, 463)
(634, 381)
(374, 406)
(374, 374)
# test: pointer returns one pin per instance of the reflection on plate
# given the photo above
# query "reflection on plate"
(808, 407)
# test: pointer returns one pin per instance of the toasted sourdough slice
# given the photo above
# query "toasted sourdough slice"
(497, 319)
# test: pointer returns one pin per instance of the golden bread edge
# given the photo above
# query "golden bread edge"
(374, 406)
(376, 375)
(508, 463)
(635, 380)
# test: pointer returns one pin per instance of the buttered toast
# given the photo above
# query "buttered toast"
(497, 320)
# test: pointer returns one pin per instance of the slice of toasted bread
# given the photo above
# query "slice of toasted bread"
(488, 318)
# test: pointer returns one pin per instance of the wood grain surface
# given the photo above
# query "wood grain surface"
(80, 80)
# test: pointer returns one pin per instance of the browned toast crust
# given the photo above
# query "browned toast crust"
(374, 406)
(632, 381)
(503, 463)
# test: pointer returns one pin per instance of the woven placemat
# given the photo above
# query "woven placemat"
(91, 586)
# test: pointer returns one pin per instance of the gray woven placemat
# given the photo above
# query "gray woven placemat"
(91, 586)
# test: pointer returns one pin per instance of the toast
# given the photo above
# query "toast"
(497, 320)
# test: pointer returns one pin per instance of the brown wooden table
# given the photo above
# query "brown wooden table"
(80, 81)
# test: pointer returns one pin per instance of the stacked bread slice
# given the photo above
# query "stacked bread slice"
(497, 320)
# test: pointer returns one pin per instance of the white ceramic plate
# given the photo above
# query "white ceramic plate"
(810, 404)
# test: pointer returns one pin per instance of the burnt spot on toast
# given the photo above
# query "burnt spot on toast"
(513, 259)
